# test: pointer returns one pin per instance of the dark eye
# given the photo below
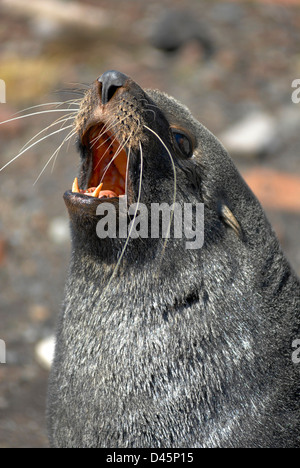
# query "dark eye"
(183, 143)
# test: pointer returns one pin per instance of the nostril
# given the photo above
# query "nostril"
(111, 81)
(111, 91)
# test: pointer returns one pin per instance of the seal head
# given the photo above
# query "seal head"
(159, 345)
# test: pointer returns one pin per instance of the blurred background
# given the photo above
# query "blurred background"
(231, 62)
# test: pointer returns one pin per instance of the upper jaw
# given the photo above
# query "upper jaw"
(104, 172)
(112, 132)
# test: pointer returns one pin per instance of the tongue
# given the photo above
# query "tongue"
(107, 194)
(103, 193)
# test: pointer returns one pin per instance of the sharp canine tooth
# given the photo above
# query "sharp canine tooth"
(97, 191)
(75, 188)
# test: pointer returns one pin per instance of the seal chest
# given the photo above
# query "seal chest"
(160, 345)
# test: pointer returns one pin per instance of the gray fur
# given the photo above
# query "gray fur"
(189, 349)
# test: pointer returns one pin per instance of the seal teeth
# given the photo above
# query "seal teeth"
(96, 193)
(75, 188)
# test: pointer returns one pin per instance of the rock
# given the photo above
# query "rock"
(275, 190)
(175, 28)
(39, 313)
(58, 231)
(260, 133)
(71, 13)
(45, 29)
(251, 137)
(44, 352)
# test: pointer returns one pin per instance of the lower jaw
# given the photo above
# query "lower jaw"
(82, 209)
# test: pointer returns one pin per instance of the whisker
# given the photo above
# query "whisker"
(64, 141)
(136, 210)
(103, 155)
(75, 132)
(31, 146)
(55, 154)
(105, 141)
(59, 103)
(119, 150)
(175, 187)
(128, 158)
(58, 121)
(98, 137)
(132, 222)
(110, 124)
(137, 206)
(149, 104)
(150, 110)
(83, 85)
(37, 113)
(73, 102)
(121, 147)
(127, 167)
(106, 129)
(77, 92)
(74, 88)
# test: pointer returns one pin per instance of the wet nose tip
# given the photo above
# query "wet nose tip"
(111, 81)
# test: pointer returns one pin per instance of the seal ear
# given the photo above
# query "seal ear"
(229, 219)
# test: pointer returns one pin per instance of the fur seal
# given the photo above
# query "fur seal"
(176, 347)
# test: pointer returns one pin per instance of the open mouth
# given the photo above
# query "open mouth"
(108, 165)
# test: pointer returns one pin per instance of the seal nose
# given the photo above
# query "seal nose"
(111, 81)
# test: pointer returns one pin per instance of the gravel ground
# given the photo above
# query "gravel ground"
(254, 57)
